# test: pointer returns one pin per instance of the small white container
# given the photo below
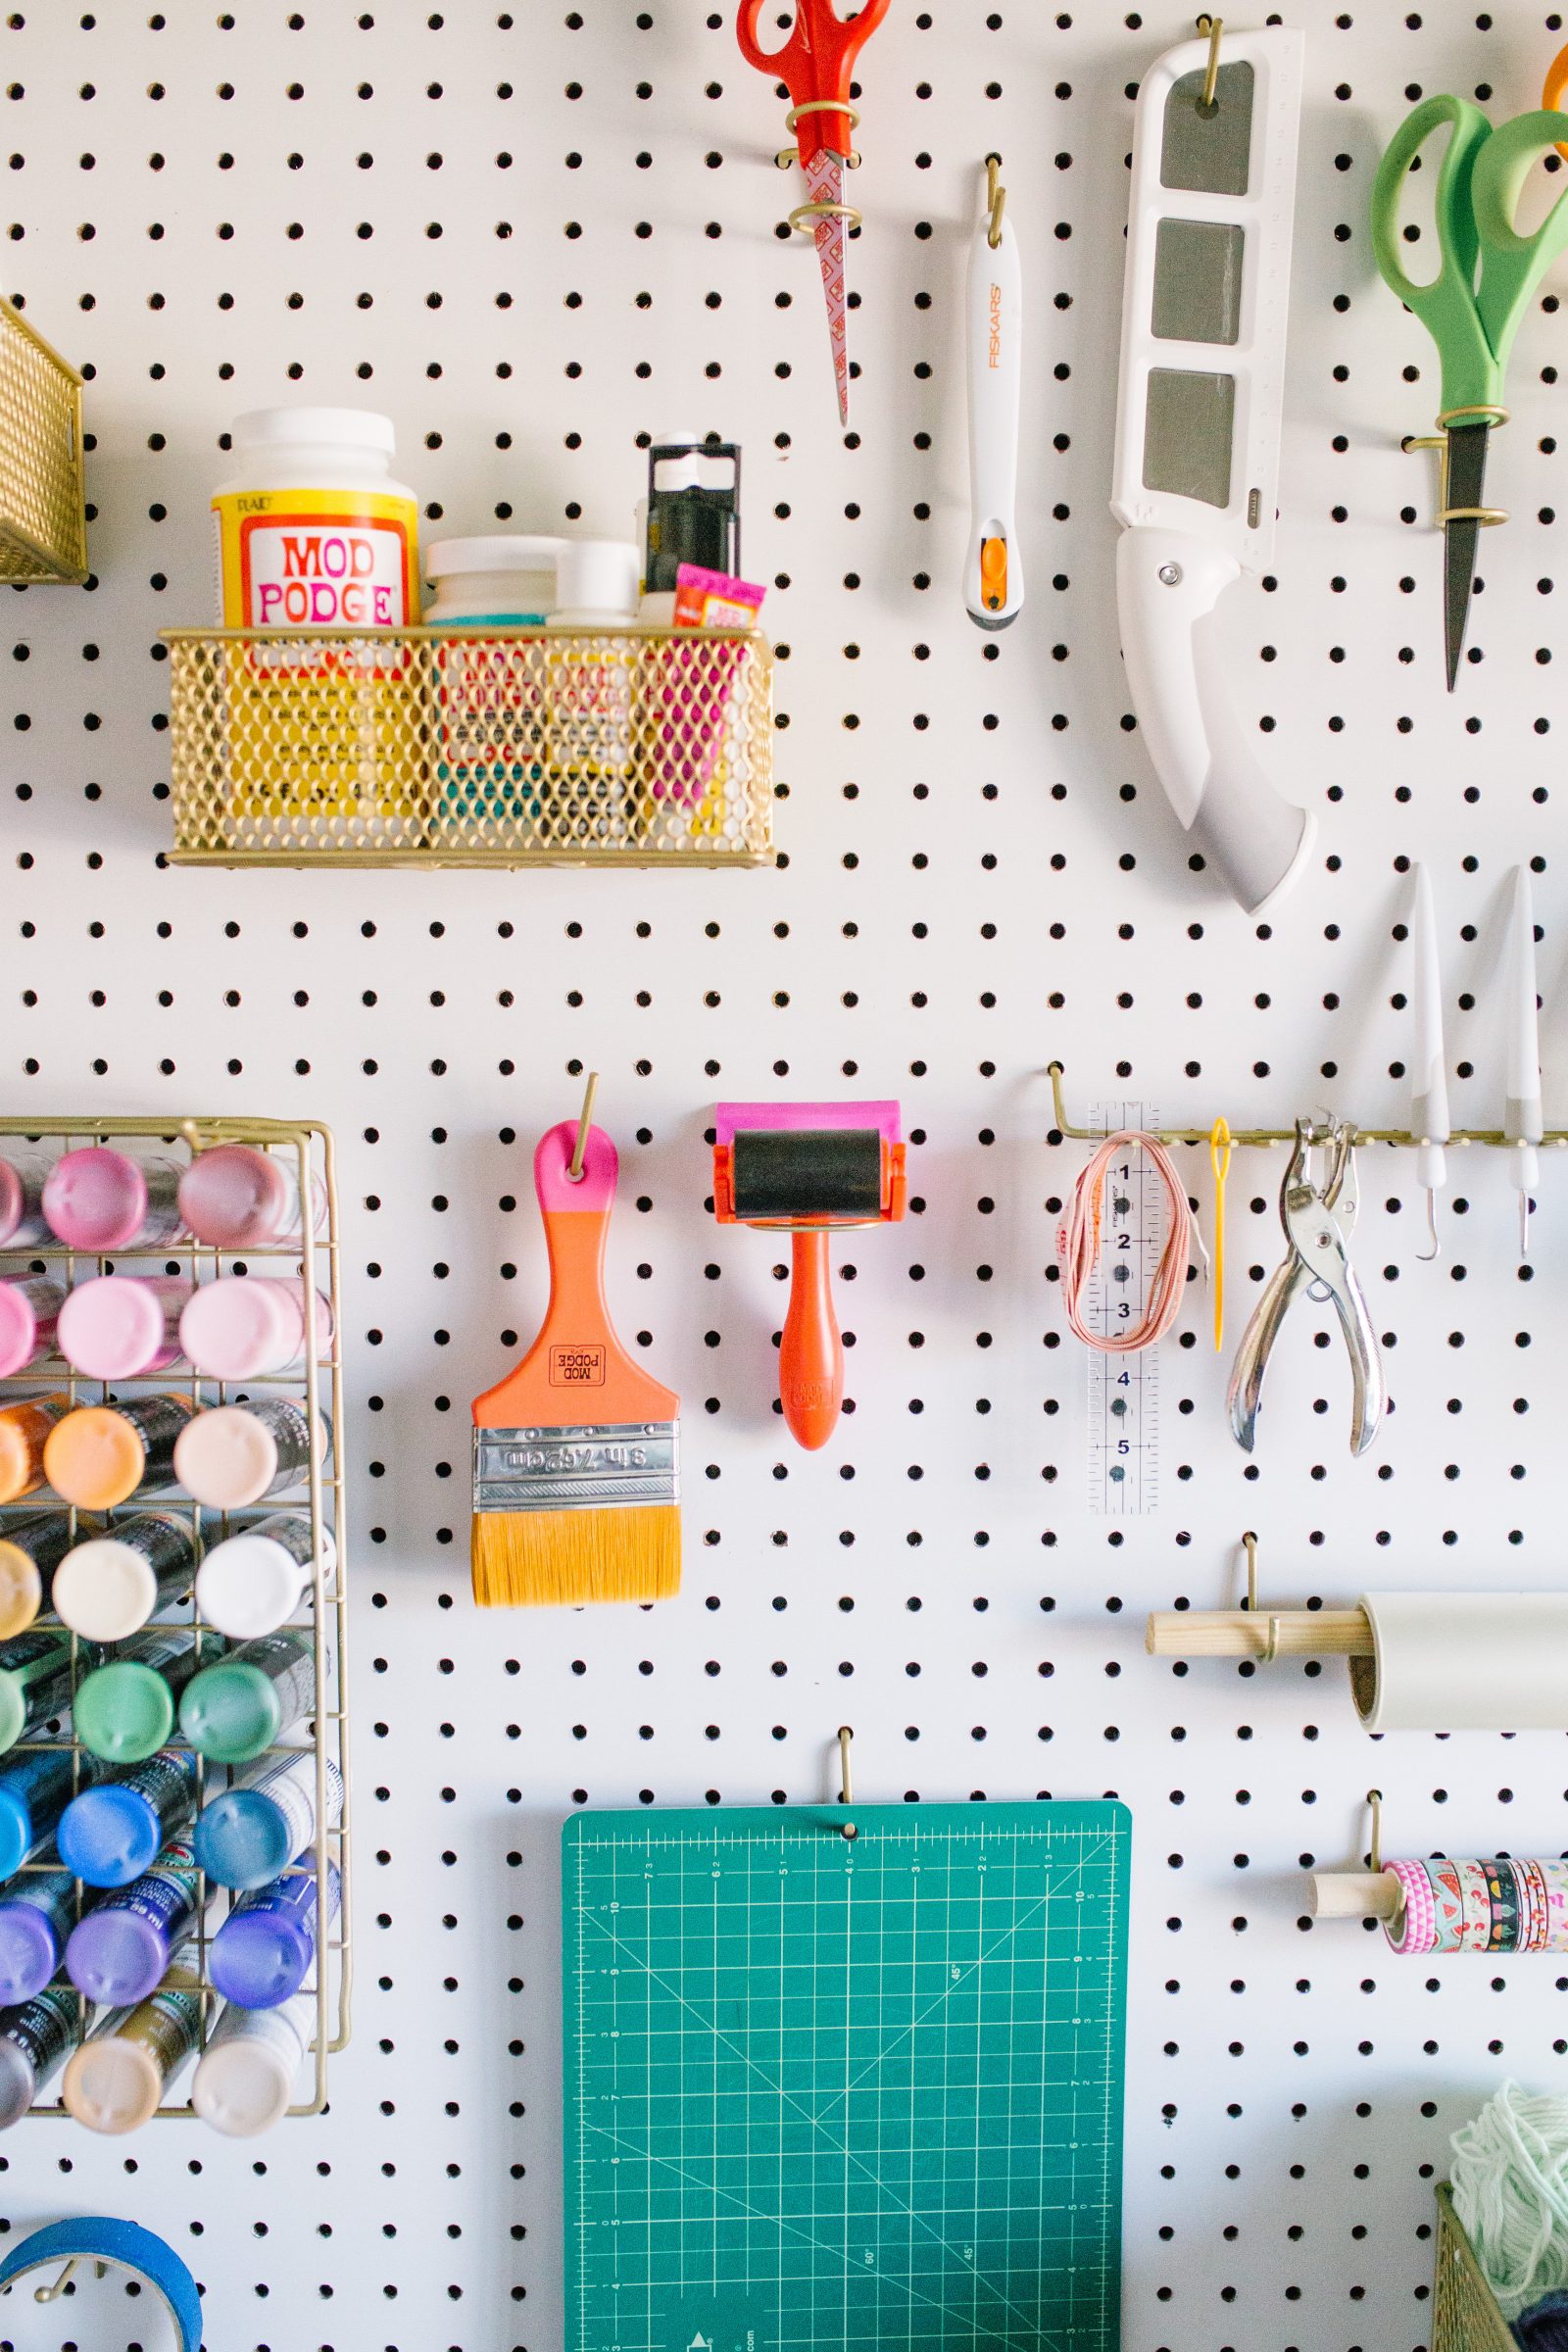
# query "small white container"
(312, 530)
(503, 581)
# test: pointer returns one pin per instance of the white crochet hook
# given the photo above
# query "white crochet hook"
(1429, 1076)
(992, 569)
(1522, 1122)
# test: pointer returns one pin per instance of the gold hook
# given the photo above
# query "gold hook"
(847, 1798)
(47, 2294)
(1213, 26)
(574, 1172)
(1271, 1647)
(996, 200)
(1374, 1797)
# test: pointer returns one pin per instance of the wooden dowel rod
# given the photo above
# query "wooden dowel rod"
(1244, 1634)
(1352, 1894)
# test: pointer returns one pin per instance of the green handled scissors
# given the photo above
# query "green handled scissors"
(1473, 307)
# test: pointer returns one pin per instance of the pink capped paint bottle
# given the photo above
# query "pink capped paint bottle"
(23, 1223)
(99, 1199)
(29, 1312)
(244, 1326)
(122, 1326)
(236, 1198)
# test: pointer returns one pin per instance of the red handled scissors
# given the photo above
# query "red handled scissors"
(814, 64)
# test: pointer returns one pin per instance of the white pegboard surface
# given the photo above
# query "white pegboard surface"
(531, 237)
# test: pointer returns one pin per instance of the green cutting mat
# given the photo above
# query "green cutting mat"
(823, 2093)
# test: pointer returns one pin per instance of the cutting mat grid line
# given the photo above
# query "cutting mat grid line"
(863, 2094)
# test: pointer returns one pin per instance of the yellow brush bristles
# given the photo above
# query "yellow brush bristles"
(528, 1558)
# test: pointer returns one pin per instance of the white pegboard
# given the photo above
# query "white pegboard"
(531, 237)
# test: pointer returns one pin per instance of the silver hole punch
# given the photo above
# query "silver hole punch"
(1317, 1221)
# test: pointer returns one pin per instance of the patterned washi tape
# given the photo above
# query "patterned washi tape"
(1414, 1922)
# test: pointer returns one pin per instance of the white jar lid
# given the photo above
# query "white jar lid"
(598, 576)
(449, 557)
(361, 428)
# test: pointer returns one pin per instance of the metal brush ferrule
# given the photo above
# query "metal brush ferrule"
(592, 1466)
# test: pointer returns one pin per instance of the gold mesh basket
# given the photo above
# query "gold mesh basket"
(457, 747)
(43, 524)
(1465, 2316)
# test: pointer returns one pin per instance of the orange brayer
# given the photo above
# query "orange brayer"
(809, 1169)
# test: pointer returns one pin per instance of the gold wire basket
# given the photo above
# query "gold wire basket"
(1465, 2316)
(471, 747)
(43, 523)
(319, 1379)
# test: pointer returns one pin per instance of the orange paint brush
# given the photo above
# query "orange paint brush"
(576, 1453)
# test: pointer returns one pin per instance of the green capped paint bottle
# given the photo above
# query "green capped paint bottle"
(234, 1710)
(124, 1709)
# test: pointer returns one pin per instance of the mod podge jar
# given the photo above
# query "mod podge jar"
(312, 530)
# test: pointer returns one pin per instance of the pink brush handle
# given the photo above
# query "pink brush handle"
(595, 1189)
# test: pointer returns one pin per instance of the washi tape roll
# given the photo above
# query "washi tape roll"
(126, 2246)
(1414, 1921)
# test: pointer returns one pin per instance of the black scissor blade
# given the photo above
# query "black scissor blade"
(1466, 479)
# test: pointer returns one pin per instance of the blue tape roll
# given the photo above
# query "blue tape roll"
(98, 2238)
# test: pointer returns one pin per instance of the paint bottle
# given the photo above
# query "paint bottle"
(24, 1432)
(29, 1309)
(245, 1703)
(37, 1672)
(123, 1711)
(112, 1832)
(99, 1199)
(35, 1793)
(123, 1326)
(30, 1550)
(245, 2081)
(490, 692)
(108, 1587)
(124, 1945)
(250, 1583)
(37, 1913)
(243, 1326)
(313, 532)
(101, 1454)
(36, 2038)
(234, 1454)
(245, 1836)
(266, 1946)
(115, 2081)
(236, 1198)
(23, 1176)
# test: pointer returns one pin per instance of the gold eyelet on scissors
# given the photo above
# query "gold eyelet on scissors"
(818, 106)
(805, 213)
(1491, 413)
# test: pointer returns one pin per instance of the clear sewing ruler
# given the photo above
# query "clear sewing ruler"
(1124, 1390)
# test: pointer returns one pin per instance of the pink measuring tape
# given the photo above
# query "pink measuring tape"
(1078, 1247)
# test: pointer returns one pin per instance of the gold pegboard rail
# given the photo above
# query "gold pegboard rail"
(43, 523)
(495, 747)
(1265, 1138)
(317, 1254)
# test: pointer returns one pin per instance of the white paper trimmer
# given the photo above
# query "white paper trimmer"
(992, 569)
(1197, 427)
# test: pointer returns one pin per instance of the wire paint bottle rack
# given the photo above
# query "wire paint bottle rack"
(318, 1379)
(460, 748)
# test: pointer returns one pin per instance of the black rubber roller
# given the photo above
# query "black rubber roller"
(807, 1172)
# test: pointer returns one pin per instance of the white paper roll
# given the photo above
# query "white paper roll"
(1465, 1662)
